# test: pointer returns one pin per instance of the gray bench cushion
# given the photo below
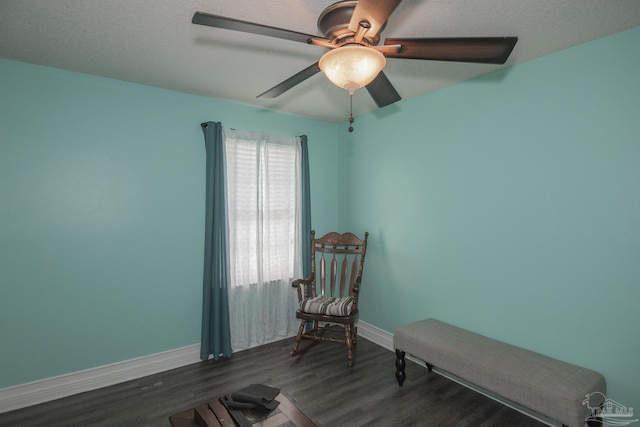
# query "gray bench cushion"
(546, 385)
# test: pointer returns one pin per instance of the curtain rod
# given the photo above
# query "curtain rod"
(204, 125)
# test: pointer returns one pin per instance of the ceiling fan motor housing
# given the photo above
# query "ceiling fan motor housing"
(333, 23)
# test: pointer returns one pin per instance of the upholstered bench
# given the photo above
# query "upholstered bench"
(544, 385)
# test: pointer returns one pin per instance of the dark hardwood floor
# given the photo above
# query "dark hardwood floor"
(318, 382)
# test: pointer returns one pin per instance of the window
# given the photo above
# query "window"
(262, 199)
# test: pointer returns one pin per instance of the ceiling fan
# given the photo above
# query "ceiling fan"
(352, 32)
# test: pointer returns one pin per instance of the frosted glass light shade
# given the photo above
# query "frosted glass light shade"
(352, 67)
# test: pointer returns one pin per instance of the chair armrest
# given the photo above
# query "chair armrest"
(298, 282)
(302, 286)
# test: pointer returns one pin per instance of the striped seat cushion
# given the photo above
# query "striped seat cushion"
(327, 305)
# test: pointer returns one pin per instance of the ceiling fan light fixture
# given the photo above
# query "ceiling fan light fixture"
(352, 67)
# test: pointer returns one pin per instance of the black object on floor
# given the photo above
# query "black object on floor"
(259, 395)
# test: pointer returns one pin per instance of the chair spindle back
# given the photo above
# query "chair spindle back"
(329, 251)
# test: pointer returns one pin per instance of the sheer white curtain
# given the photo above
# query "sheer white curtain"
(264, 213)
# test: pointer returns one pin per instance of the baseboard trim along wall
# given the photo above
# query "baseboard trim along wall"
(376, 335)
(33, 393)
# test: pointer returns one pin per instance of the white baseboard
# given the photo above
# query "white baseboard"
(376, 335)
(33, 393)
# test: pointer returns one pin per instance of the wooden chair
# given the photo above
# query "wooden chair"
(340, 258)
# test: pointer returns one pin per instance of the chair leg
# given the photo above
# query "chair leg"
(298, 338)
(348, 337)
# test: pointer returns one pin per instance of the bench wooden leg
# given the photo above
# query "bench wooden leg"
(595, 423)
(400, 365)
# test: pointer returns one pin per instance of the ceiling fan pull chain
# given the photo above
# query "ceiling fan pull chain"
(351, 112)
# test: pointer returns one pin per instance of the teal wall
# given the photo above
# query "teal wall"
(102, 215)
(510, 205)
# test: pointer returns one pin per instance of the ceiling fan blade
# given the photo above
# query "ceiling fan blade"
(375, 12)
(487, 50)
(296, 79)
(382, 91)
(216, 21)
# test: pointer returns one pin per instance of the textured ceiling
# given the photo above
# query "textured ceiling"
(153, 42)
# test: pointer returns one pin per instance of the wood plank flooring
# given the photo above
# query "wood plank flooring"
(318, 382)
